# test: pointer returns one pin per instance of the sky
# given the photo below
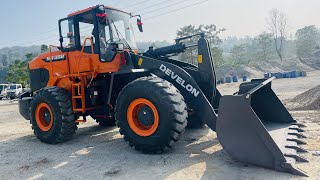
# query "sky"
(34, 22)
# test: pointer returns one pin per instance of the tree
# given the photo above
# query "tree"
(190, 55)
(238, 55)
(217, 54)
(264, 42)
(29, 56)
(3, 74)
(4, 59)
(211, 33)
(18, 72)
(306, 41)
(278, 25)
(44, 48)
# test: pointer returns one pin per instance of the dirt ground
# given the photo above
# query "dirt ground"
(101, 153)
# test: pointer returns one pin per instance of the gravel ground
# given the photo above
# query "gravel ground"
(101, 153)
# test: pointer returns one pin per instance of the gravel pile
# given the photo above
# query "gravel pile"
(309, 100)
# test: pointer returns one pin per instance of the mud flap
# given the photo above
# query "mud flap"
(253, 126)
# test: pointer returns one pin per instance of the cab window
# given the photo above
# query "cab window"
(67, 36)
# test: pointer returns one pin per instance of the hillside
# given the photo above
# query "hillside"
(10, 54)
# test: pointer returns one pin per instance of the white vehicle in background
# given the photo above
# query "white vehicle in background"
(14, 90)
(3, 91)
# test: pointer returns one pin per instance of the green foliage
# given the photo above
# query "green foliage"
(265, 46)
(3, 60)
(217, 54)
(3, 74)
(29, 56)
(18, 72)
(44, 49)
(307, 41)
(211, 33)
(238, 55)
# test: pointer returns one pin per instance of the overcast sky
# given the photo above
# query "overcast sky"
(27, 22)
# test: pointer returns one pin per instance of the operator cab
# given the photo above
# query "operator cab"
(100, 29)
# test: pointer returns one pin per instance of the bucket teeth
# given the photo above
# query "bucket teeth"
(296, 157)
(299, 135)
(298, 141)
(297, 129)
(297, 148)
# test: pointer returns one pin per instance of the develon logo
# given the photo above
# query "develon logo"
(179, 80)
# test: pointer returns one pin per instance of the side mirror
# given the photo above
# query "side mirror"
(139, 23)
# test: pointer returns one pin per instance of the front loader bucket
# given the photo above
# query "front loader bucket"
(255, 127)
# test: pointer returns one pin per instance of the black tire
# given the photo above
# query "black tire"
(171, 109)
(194, 122)
(1, 98)
(12, 97)
(63, 125)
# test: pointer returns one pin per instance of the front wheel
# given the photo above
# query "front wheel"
(151, 114)
(52, 118)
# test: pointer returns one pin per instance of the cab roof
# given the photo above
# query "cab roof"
(93, 7)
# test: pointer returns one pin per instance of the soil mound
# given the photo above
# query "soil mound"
(309, 100)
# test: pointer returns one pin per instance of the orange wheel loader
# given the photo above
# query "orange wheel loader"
(151, 96)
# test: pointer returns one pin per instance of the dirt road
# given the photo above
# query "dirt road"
(100, 153)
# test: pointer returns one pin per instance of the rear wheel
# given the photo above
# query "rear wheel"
(52, 117)
(151, 114)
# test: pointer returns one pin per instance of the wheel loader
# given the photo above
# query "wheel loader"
(151, 96)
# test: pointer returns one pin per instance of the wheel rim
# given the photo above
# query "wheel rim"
(143, 126)
(44, 117)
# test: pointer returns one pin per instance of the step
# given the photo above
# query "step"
(76, 97)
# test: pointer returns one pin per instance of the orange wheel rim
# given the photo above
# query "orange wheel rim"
(44, 117)
(134, 122)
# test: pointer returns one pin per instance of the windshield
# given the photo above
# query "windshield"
(120, 26)
(114, 27)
